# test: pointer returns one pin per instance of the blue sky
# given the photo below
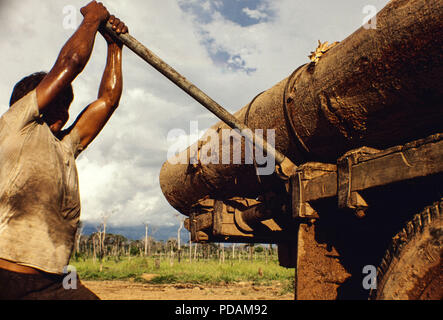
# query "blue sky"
(242, 12)
(231, 49)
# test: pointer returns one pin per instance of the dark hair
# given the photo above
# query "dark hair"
(29, 83)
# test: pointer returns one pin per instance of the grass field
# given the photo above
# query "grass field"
(209, 271)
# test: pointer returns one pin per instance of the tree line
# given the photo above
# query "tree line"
(102, 245)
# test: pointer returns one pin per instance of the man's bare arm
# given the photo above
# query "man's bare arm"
(74, 55)
(94, 117)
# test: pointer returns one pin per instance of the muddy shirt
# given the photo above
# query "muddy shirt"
(39, 195)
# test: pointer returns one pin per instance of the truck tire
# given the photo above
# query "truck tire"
(412, 266)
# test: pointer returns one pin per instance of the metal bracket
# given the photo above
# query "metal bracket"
(196, 235)
(348, 199)
(193, 227)
(300, 208)
(238, 220)
(200, 219)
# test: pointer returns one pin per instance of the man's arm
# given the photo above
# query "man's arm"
(74, 55)
(94, 117)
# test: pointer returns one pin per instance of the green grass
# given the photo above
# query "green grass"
(196, 272)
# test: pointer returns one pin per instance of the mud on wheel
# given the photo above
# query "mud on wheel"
(412, 266)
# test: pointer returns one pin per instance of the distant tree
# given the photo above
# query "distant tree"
(146, 239)
(251, 251)
(78, 236)
(258, 249)
(154, 230)
(134, 250)
(180, 227)
(233, 251)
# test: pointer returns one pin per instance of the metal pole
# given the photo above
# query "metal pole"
(161, 66)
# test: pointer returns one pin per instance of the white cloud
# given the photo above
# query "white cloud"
(254, 14)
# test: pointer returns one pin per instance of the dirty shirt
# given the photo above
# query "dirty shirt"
(39, 193)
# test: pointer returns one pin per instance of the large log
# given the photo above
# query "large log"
(377, 88)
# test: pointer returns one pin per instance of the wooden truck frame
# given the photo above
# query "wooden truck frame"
(335, 219)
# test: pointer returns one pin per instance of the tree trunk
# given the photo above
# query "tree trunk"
(190, 248)
(146, 240)
(78, 238)
(171, 257)
(376, 88)
(103, 240)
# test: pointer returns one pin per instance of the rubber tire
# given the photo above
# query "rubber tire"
(412, 266)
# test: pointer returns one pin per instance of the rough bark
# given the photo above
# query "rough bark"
(377, 88)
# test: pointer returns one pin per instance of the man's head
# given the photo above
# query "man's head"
(56, 114)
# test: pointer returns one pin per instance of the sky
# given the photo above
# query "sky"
(230, 49)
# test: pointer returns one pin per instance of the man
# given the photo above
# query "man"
(39, 195)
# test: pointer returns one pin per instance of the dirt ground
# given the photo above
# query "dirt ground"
(127, 290)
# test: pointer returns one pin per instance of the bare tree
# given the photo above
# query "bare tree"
(101, 230)
(190, 248)
(178, 234)
(94, 245)
(251, 251)
(180, 227)
(233, 251)
(146, 239)
(222, 254)
(195, 251)
(154, 230)
(171, 256)
(78, 236)
(101, 233)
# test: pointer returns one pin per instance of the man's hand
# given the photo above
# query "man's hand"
(118, 26)
(95, 11)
